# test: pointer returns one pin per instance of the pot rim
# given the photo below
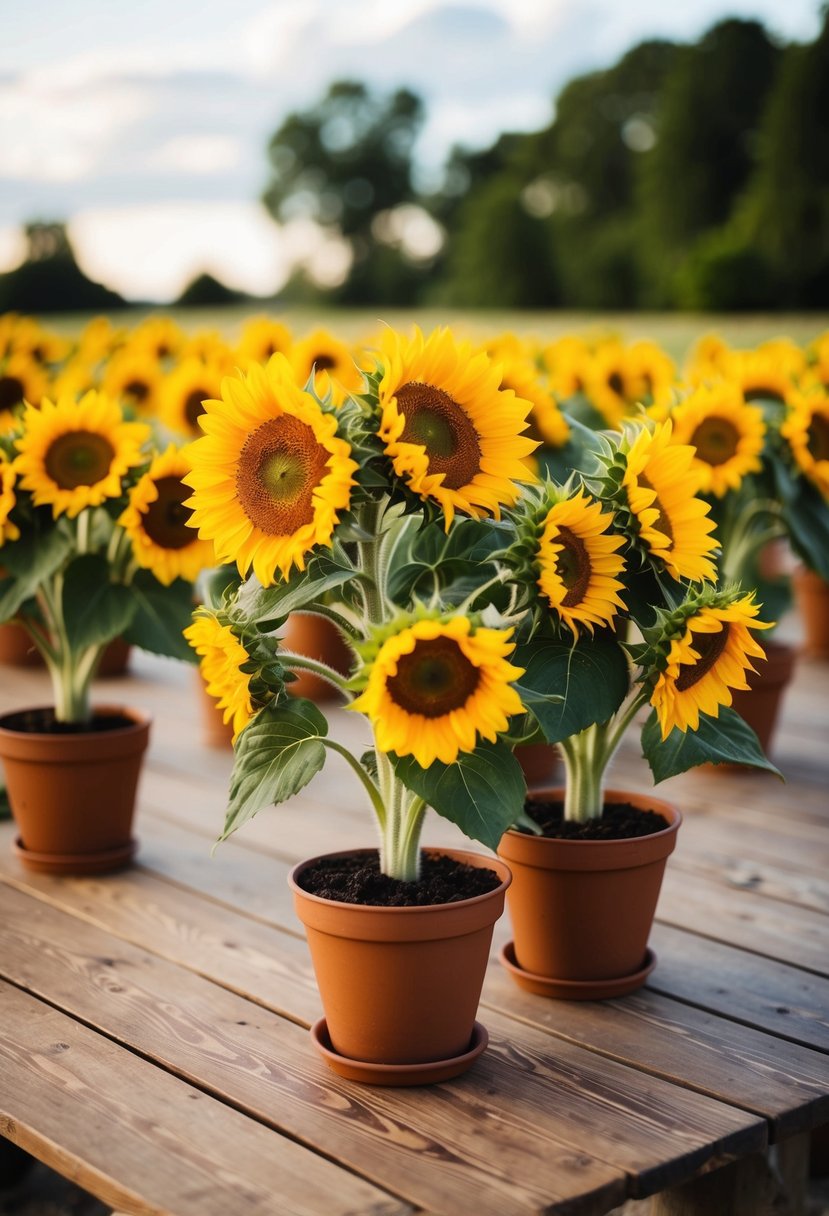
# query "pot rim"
(555, 793)
(489, 862)
(139, 719)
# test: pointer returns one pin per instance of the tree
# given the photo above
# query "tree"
(342, 163)
(50, 280)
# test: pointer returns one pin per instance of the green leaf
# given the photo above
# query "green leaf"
(28, 563)
(723, 740)
(94, 610)
(806, 515)
(430, 556)
(259, 605)
(483, 792)
(568, 688)
(160, 615)
(277, 754)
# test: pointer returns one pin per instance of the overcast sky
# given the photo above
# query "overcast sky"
(145, 123)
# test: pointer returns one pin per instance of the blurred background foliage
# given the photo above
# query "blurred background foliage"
(688, 177)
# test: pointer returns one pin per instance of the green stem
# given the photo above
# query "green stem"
(347, 625)
(301, 662)
(369, 786)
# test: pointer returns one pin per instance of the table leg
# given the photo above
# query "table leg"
(754, 1186)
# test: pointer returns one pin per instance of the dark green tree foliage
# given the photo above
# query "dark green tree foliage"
(205, 291)
(789, 207)
(50, 280)
(341, 163)
(709, 115)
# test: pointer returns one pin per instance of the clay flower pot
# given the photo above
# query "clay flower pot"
(400, 986)
(760, 704)
(215, 731)
(316, 638)
(812, 595)
(540, 763)
(72, 795)
(582, 910)
(18, 650)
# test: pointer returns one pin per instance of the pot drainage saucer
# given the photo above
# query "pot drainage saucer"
(576, 990)
(76, 863)
(398, 1074)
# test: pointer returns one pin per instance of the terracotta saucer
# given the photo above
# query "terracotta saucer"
(397, 1074)
(75, 863)
(576, 990)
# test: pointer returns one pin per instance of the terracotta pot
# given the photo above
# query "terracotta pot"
(316, 638)
(215, 731)
(812, 595)
(401, 985)
(16, 647)
(582, 910)
(760, 704)
(18, 650)
(73, 795)
(540, 763)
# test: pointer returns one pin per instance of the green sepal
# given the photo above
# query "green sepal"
(726, 739)
(482, 792)
(276, 755)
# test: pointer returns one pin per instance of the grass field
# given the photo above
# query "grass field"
(675, 331)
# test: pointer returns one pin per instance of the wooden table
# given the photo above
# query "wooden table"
(153, 1024)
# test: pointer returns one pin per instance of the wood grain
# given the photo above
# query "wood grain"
(144, 1141)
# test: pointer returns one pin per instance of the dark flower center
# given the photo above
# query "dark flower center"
(434, 679)
(194, 407)
(11, 392)
(709, 647)
(165, 520)
(139, 390)
(662, 523)
(324, 363)
(78, 458)
(573, 567)
(280, 467)
(818, 441)
(716, 440)
(436, 422)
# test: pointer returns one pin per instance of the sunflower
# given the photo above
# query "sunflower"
(156, 521)
(653, 372)
(8, 530)
(707, 359)
(435, 686)
(547, 424)
(710, 658)
(74, 379)
(761, 375)
(21, 379)
(41, 345)
(578, 561)
(567, 360)
(222, 657)
(331, 360)
(726, 433)
(672, 523)
(157, 338)
(452, 434)
(134, 380)
(806, 428)
(98, 339)
(270, 474)
(209, 347)
(613, 383)
(184, 392)
(261, 338)
(74, 454)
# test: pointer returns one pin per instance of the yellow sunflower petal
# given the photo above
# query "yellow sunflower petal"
(222, 656)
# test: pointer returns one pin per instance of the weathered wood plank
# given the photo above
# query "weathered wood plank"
(448, 1150)
(141, 1139)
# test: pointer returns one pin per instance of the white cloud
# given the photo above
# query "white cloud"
(154, 252)
(12, 248)
(196, 154)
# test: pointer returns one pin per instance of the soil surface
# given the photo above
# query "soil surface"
(43, 722)
(357, 880)
(619, 821)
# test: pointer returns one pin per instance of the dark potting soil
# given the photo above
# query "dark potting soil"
(43, 722)
(619, 821)
(357, 880)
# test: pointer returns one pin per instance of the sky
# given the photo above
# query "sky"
(145, 124)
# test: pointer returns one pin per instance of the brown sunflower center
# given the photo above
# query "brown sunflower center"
(573, 566)
(194, 408)
(139, 390)
(762, 392)
(11, 392)
(324, 363)
(818, 441)
(78, 458)
(434, 679)
(662, 523)
(616, 383)
(436, 422)
(165, 520)
(709, 647)
(280, 466)
(716, 440)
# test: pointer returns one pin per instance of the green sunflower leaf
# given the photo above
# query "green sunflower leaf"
(28, 562)
(569, 687)
(726, 739)
(161, 614)
(95, 610)
(257, 605)
(276, 756)
(483, 792)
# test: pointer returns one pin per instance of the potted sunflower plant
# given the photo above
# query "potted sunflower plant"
(384, 515)
(94, 544)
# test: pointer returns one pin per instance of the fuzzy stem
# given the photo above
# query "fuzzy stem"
(301, 662)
